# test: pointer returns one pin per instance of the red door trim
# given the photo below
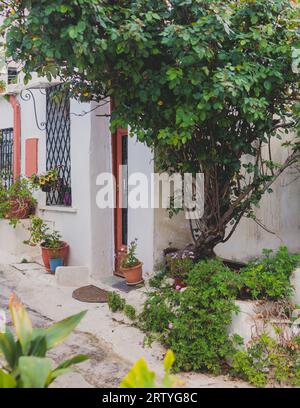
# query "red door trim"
(17, 135)
(120, 249)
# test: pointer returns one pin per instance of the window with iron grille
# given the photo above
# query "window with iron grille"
(58, 145)
(6, 157)
(12, 75)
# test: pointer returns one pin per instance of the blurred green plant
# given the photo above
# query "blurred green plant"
(25, 364)
(140, 376)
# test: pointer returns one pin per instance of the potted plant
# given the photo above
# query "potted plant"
(17, 201)
(46, 182)
(52, 247)
(131, 266)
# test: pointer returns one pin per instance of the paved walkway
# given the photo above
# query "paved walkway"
(112, 344)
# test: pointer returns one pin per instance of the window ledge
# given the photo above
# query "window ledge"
(60, 209)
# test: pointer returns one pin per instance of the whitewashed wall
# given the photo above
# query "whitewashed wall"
(6, 114)
(101, 220)
(141, 220)
(279, 212)
(87, 229)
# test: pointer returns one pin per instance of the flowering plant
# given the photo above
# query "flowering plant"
(130, 260)
(45, 180)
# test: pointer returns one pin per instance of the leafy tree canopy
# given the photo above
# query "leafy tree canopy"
(206, 83)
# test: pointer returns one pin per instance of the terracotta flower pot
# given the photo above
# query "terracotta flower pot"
(133, 275)
(49, 253)
(20, 209)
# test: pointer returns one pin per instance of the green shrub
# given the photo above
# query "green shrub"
(130, 312)
(269, 277)
(267, 361)
(157, 279)
(115, 302)
(194, 322)
(179, 268)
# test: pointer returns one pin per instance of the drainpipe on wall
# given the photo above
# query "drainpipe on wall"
(17, 135)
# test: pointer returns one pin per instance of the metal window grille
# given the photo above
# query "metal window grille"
(58, 145)
(6, 157)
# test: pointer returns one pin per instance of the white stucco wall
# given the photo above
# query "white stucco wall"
(87, 229)
(6, 114)
(279, 212)
(74, 222)
(101, 220)
(141, 220)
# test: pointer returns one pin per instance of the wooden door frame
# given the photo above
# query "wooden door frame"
(120, 248)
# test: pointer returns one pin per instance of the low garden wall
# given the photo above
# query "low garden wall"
(256, 317)
(12, 247)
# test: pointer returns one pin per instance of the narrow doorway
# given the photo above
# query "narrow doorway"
(120, 163)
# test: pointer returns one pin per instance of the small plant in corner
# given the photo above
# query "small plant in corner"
(115, 302)
(53, 248)
(131, 266)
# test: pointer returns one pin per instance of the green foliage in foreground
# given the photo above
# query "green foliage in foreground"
(140, 376)
(26, 364)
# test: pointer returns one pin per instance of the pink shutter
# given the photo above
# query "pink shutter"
(31, 156)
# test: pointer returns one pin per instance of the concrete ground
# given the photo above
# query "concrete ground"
(112, 344)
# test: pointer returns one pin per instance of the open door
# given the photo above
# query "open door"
(120, 162)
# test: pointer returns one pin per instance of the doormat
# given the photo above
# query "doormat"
(123, 287)
(90, 294)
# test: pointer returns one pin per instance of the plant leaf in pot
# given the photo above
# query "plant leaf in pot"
(52, 246)
(131, 266)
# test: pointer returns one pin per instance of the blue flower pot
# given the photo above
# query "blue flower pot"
(55, 263)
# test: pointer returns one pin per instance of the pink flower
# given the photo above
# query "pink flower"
(178, 287)
(170, 326)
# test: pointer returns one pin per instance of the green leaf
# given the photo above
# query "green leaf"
(268, 85)
(34, 371)
(75, 360)
(55, 374)
(9, 348)
(64, 368)
(169, 361)
(38, 347)
(139, 376)
(58, 332)
(7, 380)
(22, 323)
